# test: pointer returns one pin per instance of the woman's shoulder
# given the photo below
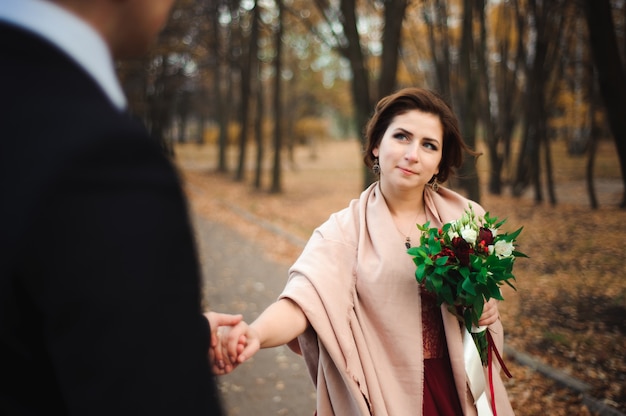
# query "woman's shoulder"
(345, 224)
(452, 200)
(342, 223)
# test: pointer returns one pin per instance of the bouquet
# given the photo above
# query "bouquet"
(463, 264)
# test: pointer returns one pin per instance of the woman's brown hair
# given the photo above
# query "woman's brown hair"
(412, 98)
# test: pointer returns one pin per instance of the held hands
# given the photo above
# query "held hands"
(490, 313)
(217, 319)
(235, 345)
(217, 322)
(232, 342)
(282, 322)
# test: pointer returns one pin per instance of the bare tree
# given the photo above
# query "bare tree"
(435, 15)
(218, 92)
(276, 185)
(594, 132)
(546, 24)
(348, 44)
(611, 74)
(497, 118)
(247, 70)
(258, 129)
(467, 98)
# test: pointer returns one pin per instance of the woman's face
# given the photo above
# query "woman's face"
(410, 151)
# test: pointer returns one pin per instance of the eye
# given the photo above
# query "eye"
(430, 145)
(401, 137)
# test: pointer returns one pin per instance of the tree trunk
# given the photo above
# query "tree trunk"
(247, 70)
(611, 74)
(258, 130)
(443, 67)
(394, 14)
(222, 143)
(545, 18)
(547, 154)
(593, 145)
(276, 186)
(468, 176)
(489, 126)
(363, 103)
(350, 48)
(290, 118)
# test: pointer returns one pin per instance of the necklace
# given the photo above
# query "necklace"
(407, 240)
(407, 236)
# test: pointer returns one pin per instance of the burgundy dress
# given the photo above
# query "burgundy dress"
(440, 395)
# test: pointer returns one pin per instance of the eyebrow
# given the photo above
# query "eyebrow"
(401, 130)
(408, 133)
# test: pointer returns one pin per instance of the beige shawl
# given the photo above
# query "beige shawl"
(356, 284)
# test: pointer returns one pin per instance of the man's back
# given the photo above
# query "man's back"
(99, 285)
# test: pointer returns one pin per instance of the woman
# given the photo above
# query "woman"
(373, 342)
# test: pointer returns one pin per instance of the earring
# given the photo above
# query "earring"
(434, 185)
(376, 167)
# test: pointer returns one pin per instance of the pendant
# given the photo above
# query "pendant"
(407, 243)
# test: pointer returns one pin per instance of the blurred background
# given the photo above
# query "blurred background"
(521, 74)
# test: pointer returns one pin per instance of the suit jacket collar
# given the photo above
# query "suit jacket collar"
(72, 36)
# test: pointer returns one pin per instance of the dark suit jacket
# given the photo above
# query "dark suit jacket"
(99, 284)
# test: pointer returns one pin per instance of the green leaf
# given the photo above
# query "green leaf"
(494, 290)
(464, 272)
(446, 294)
(424, 227)
(519, 254)
(479, 303)
(434, 245)
(420, 272)
(510, 284)
(437, 283)
(512, 236)
(468, 317)
(441, 261)
(475, 261)
(481, 276)
(468, 286)
(500, 224)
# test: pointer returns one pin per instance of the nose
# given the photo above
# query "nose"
(412, 153)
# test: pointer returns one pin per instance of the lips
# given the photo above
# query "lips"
(406, 171)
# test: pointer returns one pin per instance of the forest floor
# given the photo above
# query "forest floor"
(569, 310)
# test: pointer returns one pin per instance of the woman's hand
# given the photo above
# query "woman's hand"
(224, 361)
(229, 352)
(217, 357)
(242, 342)
(217, 319)
(490, 313)
(282, 322)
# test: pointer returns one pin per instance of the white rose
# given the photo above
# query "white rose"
(469, 234)
(503, 248)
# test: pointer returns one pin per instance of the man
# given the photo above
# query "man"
(99, 285)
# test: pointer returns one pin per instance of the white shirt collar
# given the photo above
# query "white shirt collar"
(76, 38)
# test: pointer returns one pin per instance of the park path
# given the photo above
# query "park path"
(240, 279)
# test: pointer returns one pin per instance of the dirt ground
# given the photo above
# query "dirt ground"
(569, 308)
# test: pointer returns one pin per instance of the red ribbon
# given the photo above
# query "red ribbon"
(491, 348)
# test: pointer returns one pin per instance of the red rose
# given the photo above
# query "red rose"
(462, 250)
(445, 251)
(486, 236)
